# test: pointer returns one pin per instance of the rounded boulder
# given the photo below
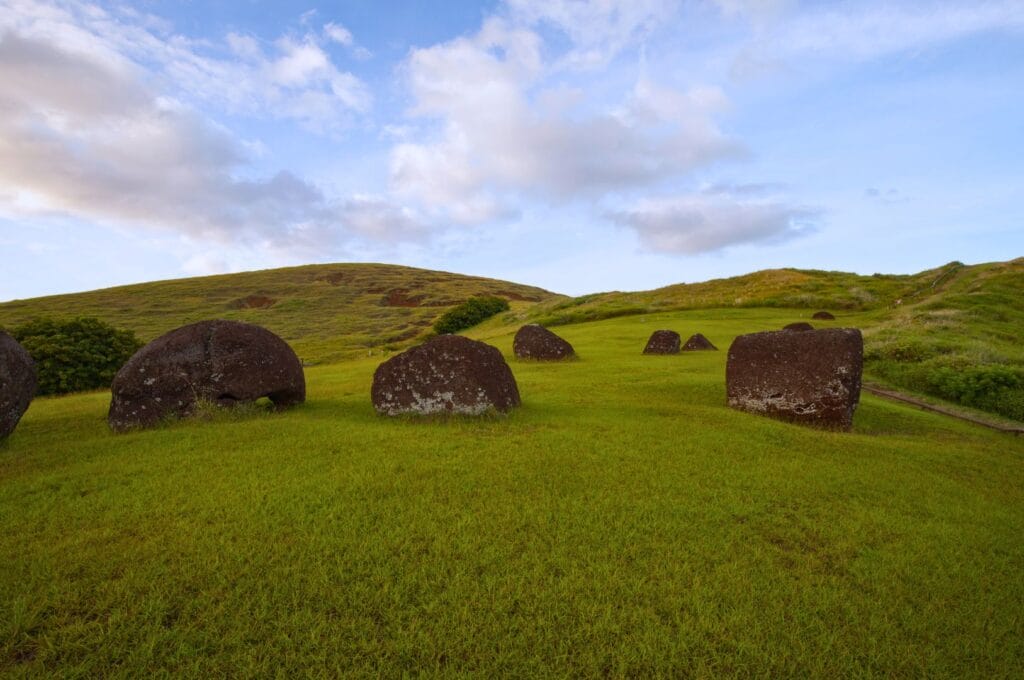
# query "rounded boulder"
(823, 315)
(219, 362)
(798, 326)
(447, 374)
(17, 383)
(697, 342)
(663, 342)
(536, 342)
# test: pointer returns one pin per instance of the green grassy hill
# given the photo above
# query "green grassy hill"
(327, 312)
(953, 332)
(622, 523)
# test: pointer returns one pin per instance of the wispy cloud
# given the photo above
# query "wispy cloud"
(84, 132)
(508, 132)
(706, 222)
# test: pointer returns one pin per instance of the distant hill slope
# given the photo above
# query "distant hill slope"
(326, 311)
(955, 332)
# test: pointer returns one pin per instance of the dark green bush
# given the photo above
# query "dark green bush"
(971, 385)
(77, 354)
(469, 313)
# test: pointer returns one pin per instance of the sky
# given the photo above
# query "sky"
(577, 146)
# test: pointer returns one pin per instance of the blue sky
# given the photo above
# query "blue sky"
(579, 146)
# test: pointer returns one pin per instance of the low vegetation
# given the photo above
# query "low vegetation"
(952, 332)
(469, 313)
(326, 312)
(75, 355)
(623, 523)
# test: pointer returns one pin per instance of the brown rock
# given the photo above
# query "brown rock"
(798, 326)
(811, 378)
(698, 342)
(824, 315)
(447, 374)
(17, 383)
(663, 342)
(222, 362)
(536, 342)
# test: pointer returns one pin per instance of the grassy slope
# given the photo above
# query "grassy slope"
(622, 523)
(919, 329)
(326, 312)
(923, 332)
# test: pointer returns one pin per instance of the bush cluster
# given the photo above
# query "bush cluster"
(469, 313)
(77, 354)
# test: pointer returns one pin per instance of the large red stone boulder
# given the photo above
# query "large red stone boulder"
(17, 383)
(219, 362)
(811, 378)
(447, 374)
(536, 342)
(827, 316)
(697, 342)
(663, 342)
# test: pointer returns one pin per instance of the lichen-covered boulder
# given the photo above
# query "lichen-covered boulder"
(798, 326)
(811, 378)
(663, 342)
(536, 342)
(17, 383)
(447, 374)
(828, 316)
(697, 342)
(220, 362)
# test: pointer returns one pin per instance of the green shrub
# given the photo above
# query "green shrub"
(77, 354)
(470, 313)
(976, 383)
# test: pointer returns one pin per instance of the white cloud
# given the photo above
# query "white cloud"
(707, 222)
(291, 78)
(598, 29)
(338, 34)
(83, 134)
(861, 31)
(508, 133)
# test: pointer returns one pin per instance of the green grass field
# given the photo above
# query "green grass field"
(622, 523)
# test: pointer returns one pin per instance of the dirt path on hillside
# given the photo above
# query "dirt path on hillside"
(906, 398)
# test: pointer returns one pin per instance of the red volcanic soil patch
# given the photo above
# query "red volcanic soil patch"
(253, 302)
(399, 297)
(509, 295)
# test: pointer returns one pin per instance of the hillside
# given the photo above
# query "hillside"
(326, 312)
(623, 523)
(953, 332)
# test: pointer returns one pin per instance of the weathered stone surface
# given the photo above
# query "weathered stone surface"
(536, 342)
(447, 374)
(663, 342)
(17, 383)
(798, 326)
(222, 362)
(811, 378)
(698, 342)
(823, 315)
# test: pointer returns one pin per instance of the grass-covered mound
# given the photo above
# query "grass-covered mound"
(622, 523)
(326, 312)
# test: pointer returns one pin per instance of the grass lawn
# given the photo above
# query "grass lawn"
(623, 522)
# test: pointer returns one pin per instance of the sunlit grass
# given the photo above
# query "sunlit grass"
(622, 523)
